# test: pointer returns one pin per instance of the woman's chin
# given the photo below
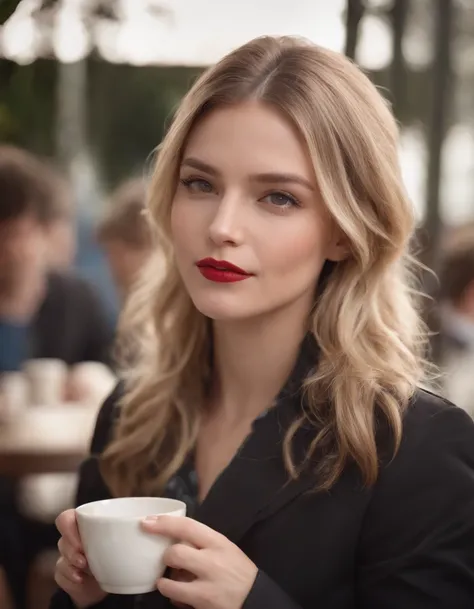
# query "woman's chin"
(221, 311)
(218, 314)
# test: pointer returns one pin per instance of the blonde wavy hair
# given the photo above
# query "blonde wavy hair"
(365, 320)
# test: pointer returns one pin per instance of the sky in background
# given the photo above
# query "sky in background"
(190, 32)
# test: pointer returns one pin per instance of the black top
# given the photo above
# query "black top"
(406, 543)
(71, 324)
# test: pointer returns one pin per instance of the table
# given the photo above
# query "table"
(46, 439)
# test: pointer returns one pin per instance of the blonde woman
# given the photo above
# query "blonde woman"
(279, 393)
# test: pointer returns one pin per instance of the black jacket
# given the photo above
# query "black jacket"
(406, 543)
(71, 324)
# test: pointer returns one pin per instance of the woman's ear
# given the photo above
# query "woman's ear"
(339, 249)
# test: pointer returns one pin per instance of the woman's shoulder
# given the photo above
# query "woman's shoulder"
(436, 453)
(431, 419)
(427, 403)
(420, 516)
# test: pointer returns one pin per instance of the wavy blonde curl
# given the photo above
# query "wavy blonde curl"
(365, 321)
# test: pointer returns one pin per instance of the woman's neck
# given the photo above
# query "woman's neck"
(252, 361)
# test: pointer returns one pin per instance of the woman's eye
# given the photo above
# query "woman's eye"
(197, 185)
(280, 199)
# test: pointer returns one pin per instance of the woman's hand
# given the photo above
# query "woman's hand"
(223, 574)
(72, 574)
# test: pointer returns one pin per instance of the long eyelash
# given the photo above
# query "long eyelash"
(188, 182)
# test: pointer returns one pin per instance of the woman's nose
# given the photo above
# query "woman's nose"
(226, 226)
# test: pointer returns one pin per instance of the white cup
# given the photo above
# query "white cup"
(122, 557)
(90, 383)
(13, 394)
(47, 380)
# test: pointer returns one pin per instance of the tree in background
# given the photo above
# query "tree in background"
(441, 107)
(398, 69)
(354, 13)
(69, 135)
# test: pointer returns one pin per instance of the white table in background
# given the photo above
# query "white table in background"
(46, 439)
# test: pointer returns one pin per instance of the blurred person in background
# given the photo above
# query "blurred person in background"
(455, 235)
(127, 238)
(62, 238)
(46, 311)
(125, 234)
(457, 319)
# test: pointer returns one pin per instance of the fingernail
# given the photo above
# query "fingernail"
(81, 561)
(151, 519)
(78, 577)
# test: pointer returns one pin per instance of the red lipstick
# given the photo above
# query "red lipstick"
(221, 271)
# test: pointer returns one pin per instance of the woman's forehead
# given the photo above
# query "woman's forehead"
(253, 137)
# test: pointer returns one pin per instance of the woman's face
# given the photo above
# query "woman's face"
(247, 197)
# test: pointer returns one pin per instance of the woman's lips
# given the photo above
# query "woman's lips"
(221, 271)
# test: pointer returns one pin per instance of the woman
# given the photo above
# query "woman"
(278, 199)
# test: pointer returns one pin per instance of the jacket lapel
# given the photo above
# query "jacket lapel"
(256, 483)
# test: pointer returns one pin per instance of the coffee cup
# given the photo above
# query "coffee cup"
(13, 395)
(90, 383)
(123, 558)
(47, 381)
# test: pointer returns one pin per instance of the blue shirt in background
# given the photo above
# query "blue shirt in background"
(14, 345)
